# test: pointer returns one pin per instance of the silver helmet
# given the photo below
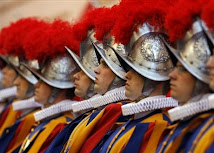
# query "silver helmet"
(107, 53)
(148, 55)
(24, 72)
(13, 60)
(88, 60)
(193, 52)
(56, 72)
(209, 34)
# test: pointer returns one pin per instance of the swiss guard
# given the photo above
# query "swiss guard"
(14, 135)
(92, 132)
(55, 89)
(189, 82)
(84, 88)
(147, 63)
(206, 143)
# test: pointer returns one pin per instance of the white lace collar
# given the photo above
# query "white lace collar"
(8, 92)
(84, 105)
(192, 108)
(63, 106)
(111, 96)
(148, 104)
(25, 104)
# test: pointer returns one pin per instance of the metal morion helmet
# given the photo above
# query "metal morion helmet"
(56, 65)
(87, 61)
(24, 72)
(107, 53)
(194, 51)
(16, 61)
(149, 55)
(56, 72)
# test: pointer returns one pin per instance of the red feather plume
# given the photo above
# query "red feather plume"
(80, 29)
(3, 35)
(49, 40)
(35, 42)
(104, 22)
(134, 13)
(207, 14)
(181, 16)
(15, 34)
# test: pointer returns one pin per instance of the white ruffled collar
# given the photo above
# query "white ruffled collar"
(84, 105)
(96, 101)
(26, 104)
(63, 106)
(147, 105)
(8, 92)
(192, 108)
(111, 96)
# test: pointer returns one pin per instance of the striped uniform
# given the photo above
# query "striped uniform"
(60, 140)
(8, 117)
(14, 135)
(43, 134)
(138, 135)
(183, 135)
(91, 133)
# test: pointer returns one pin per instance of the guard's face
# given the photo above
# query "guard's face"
(42, 92)
(22, 87)
(210, 64)
(104, 77)
(182, 84)
(9, 75)
(134, 85)
(82, 83)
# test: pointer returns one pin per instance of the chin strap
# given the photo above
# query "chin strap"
(149, 86)
(199, 89)
(116, 83)
(90, 91)
(30, 91)
(53, 95)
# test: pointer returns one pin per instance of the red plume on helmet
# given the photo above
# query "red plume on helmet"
(181, 16)
(100, 20)
(3, 35)
(49, 40)
(59, 34)
(134, 13)
(15, 33)
(104, 22)
(207, 14)
(33, 42)
(81, 28)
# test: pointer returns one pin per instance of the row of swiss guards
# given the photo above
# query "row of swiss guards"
(134, 77)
